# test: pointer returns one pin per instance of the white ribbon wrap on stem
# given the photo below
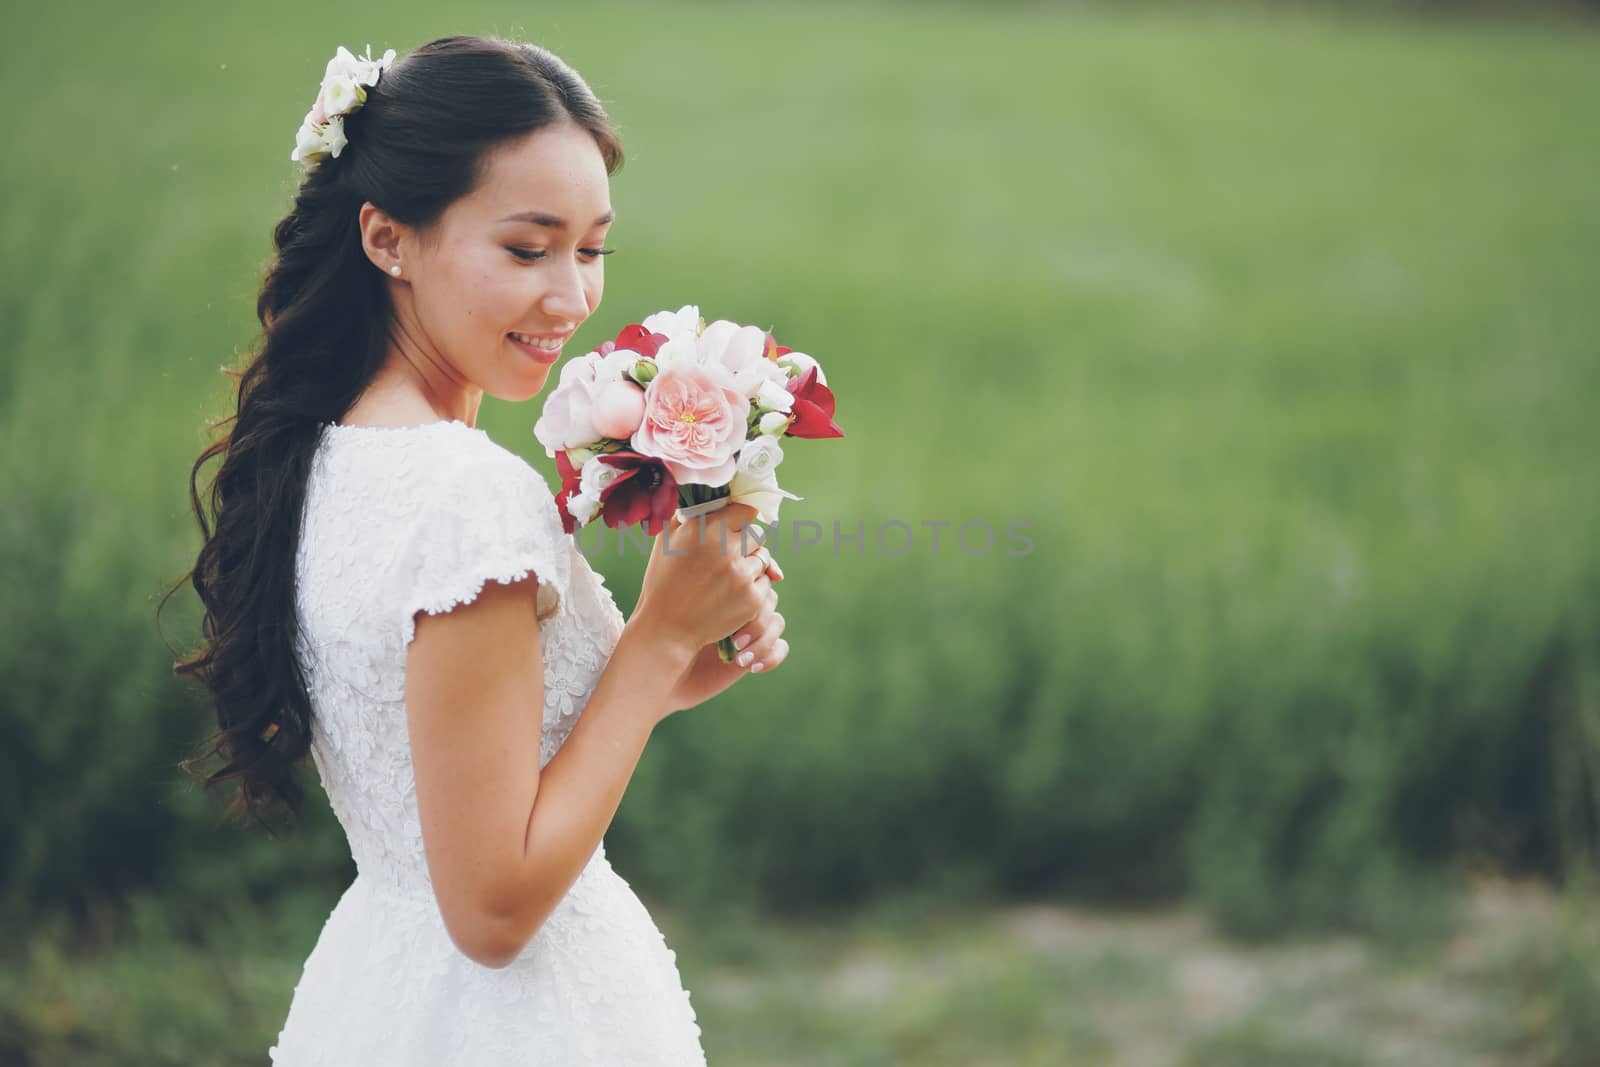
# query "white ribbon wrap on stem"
(763, 494)
(694, 510)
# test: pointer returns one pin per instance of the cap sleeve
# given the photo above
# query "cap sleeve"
(483, 516)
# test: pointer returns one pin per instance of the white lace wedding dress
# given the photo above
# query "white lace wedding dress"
(419, 518)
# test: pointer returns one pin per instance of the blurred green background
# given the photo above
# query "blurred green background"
(1278, 326)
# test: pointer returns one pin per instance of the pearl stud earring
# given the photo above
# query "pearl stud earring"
(395, 270)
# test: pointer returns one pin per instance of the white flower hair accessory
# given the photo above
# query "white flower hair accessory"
(344, 89)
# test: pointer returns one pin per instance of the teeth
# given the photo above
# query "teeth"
(543, 346)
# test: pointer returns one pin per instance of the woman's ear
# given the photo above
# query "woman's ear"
(380, 238)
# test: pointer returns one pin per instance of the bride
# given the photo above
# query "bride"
(391, 592)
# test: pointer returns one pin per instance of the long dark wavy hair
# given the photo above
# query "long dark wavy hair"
(419, 143)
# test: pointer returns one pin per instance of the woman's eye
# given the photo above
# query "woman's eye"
(528, 255)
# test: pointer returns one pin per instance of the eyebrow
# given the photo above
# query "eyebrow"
(539, 218)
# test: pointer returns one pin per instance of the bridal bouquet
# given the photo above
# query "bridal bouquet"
(678, 415)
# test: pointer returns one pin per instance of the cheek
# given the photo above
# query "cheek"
(488, 294)
(455, 287)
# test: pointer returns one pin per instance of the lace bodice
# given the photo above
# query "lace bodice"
(412, 519)
(419, 519)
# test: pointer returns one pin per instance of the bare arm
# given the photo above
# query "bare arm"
(504, 841)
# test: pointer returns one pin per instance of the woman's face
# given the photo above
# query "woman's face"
(514, 264)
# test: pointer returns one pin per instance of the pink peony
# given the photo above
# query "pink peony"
(567, 420)
(617, 410)
(694, 422)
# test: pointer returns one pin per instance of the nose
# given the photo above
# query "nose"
(563, 298)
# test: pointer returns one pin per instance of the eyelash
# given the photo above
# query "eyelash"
(530, 255)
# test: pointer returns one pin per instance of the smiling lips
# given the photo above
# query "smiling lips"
(543, 349)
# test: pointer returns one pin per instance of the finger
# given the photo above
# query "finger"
(735, 517)
(761, 595)
(766, 627)
(751, 568)
(683, 536)
(738, 514)
(753, 539)
(774, 571)
(761, 649)
(773, 659)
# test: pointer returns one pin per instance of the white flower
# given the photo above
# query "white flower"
(341, 96)
(685, 321)
(774, 423)
(679, 352)
(583, 507)
(615, 365)
(594, 477)
(803, 363)
(774, 397)
(368, 69)
(741, 351)
(333, 138)
(322, 132)
(736, 351)
(762, 494)
(312, 142)
(760, 458)
(346, 74)
(342, 67)
(307, 142)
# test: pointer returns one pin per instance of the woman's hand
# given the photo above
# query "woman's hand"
(707, 676)
(704, 581)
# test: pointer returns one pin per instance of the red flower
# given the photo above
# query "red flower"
(643, 491)
(813, 407)
(635, 338)
(774, 351)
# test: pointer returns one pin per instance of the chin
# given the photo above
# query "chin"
(524, 389)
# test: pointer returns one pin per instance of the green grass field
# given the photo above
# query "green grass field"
(909, 982)
(1278, 329)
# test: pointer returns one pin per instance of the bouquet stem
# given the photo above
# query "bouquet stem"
(688, 497)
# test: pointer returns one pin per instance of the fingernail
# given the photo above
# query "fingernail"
(745, 658)
(742, 640)
(757, 668)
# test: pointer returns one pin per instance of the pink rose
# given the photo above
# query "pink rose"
(694, 422)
